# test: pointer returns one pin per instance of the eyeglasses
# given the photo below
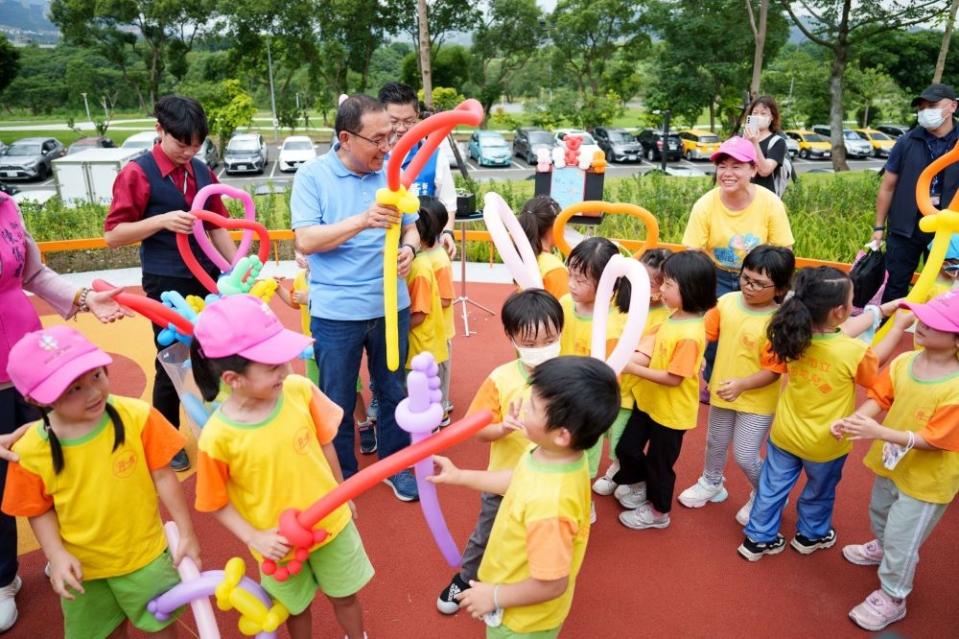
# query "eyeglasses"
(381, 143)
(407, 123)
(750, 283)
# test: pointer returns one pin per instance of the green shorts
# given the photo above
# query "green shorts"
(340, 569)
(108, 602)
(502, 632)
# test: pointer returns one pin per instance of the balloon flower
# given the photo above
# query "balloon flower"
(619, 266)
(511, 242)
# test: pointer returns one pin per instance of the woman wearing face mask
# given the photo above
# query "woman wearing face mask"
(897, 214)
(762, 128)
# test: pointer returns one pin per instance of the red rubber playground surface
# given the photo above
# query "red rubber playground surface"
(685, 581)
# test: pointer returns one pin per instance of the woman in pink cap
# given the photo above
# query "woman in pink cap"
(915, 455)
(90, 478)
(22, 270)
(269, 448)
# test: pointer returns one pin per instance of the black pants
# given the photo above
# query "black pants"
(653, 465)
(14, 412)
(165, 398)
(902, 259)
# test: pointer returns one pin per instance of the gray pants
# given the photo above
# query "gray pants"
(901, 524)
(446, 369)
(746, 431)
(476, 546)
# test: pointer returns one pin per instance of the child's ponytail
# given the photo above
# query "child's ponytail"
(817, 292)
(56, 448)
(536, 219)
(207, 372)
(590, 258)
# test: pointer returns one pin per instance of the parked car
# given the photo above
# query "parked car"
(652, 142)
(881, 143)
(528, 140)
(698, 144)
(97, 142)
(245, 152)
(792, 147)
(143, 141)
(296, 150)
(893, 130)
(588, 148)
(30, 158)
(811, 145)
(489, 148)
(619, 145)
(856, 145)
(208, 153)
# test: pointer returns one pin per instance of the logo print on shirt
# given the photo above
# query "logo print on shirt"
(124, 463)
(301, 440)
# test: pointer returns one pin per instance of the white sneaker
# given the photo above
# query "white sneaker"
(643, 517)
(697, 495)
(592, 512)
(8, 604)
(631, 495)
(605, 484)
(742, 515)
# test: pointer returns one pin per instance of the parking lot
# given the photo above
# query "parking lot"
(518, 170)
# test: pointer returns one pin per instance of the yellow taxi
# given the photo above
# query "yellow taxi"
(881, 142)
(811, 144)
(698, 144)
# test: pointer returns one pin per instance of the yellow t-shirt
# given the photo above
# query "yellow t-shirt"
(301, 284)
(677, 346)
(105, 500)
(540, 532)
(654, 319)
(430, 336)
(742, 338)
(821, 389)
(263, 469)
(506, 384)
(443, 269)
(927, 407)
(727, 236)
(577, 335)
(554, 274)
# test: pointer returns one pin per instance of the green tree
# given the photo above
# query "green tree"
(9, 63)
(229, 109)
(909, 57)
(799, 78)
(869, 88)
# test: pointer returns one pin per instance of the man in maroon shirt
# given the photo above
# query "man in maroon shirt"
(152, 196)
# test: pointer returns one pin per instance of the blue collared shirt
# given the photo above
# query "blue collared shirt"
(346, 283)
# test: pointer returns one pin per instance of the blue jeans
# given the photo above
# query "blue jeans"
(780, 473)
(14, 412)
(339, 349)
(726, 282)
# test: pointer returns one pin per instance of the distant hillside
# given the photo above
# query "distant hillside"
(25, 15)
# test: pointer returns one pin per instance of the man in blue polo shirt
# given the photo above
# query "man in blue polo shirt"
(896, 200)
(342, 229)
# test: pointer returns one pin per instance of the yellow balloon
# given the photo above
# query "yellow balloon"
(402, 200)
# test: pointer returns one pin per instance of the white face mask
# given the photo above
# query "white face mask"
(760, 122)
(931, 118)
(533, 357)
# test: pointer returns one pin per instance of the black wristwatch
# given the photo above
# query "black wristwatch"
(411, 247)
(449, 232)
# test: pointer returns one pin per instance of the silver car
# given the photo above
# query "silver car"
(245, 152)
(30, 158)
(856, 147)
(208, 153)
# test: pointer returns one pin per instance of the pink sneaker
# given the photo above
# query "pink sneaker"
(878, 611)
(867, 554)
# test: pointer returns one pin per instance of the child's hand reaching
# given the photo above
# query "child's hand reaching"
(270, 544)
(904, 319)
(836, 429)
(512, 422)
(858, 426)
(730, 389)
(301, 297)
(447, 472)
(477, 599)
(65, 574)
(189, 546)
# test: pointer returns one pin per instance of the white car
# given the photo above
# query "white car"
(143, 141)
(587, 149)
(296, 150)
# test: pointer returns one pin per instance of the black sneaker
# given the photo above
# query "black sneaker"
(180, 461)
(754, 550)
(367, 438)
(806, 546)
(447, 603)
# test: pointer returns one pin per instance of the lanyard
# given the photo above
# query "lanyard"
(185, 176)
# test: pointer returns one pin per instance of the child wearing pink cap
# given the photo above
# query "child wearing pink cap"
(268, 448)
(915, 456)
(88, 478)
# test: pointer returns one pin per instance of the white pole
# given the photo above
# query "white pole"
(269, 59)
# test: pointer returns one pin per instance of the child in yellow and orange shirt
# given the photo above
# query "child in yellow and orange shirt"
(443, 270)
(537, 219)
(427, 323)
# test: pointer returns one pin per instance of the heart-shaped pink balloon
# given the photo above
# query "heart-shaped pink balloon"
(199, 233)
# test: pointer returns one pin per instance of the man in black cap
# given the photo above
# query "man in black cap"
(896, 201)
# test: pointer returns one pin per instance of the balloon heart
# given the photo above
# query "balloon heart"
(612, 208)
(508, 236)
(619, 266)
(249, 213)
(186, 252)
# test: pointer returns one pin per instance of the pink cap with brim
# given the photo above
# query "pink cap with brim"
(244, 325)
(941, 313)
(44, 363)
(737, 148)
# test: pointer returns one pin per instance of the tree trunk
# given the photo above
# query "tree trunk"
(425, 64)
(944, 48)
(759, 35)
(836, 108)
(712, 115)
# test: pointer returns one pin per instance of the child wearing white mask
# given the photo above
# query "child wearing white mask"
(533, 321)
